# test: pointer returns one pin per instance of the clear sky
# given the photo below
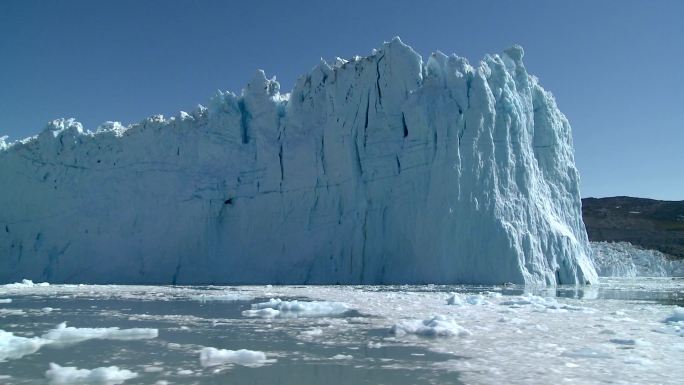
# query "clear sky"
(615, 67)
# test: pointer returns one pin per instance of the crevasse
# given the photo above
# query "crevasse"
(380, 169)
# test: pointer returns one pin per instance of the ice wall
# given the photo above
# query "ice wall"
(380, 169)
(622, 259)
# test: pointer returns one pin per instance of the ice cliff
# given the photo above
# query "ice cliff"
(379, 169)
(622, 259)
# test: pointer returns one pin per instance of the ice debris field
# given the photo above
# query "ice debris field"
(383, 169)
(622, 331)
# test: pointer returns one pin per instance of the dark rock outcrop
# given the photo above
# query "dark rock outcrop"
(649, 223)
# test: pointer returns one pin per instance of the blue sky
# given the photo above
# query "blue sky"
(615, 67)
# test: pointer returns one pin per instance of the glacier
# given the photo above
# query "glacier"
(622, 259)
(373, 170)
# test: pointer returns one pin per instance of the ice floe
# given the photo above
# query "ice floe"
(436, 326)
(69, 375)
(63, 334)
(537, 302)
(676, 316)
(14, 347)
(25, 283)
(459, 299)
(263, 313)
(225, 297)
(279, 308)
(342, 357)
(212, 357)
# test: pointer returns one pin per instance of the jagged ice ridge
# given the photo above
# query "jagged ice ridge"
(380, 169)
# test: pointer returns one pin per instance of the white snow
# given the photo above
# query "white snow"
(622, 259)
(63, 334)
(69, 375)
(436, 326)
(212, 357)
(279, 308)
(383, 169)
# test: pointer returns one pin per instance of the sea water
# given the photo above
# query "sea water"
(620, 331)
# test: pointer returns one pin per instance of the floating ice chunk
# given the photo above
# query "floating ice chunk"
(471, 299)
(263, 313)
(638, 361)
(69, 375)
(225, 297)
(538, 302)
(14, 347)
(5, 300)
(63, 334)
(456, 299)
(530, 299)
(676, 316)
(437, 326)
(476, 299)
(629, 342)
(296, 309)
(24, 284)
(315, 332)
(587, 353)
(213, 357)
(8, 312)
(342, 357)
